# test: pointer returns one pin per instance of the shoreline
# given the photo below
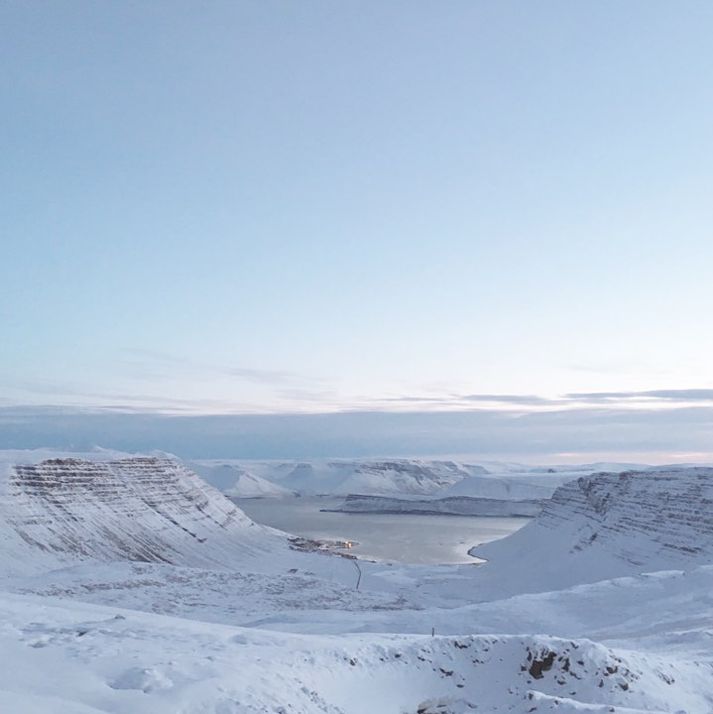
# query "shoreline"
(403, 538)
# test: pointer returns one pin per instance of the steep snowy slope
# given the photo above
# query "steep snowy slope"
(608, 525)
(103, 507)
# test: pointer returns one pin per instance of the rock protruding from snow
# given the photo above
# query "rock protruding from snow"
(609, 525)
(141, 508)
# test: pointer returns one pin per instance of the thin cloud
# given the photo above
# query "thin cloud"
(665, 398)
(266, 376)
(413, 399)
(658, 434)
(524, 399)
(147, 363)
(465, 400)
(72, 397)
(677, 395)
(287, 396)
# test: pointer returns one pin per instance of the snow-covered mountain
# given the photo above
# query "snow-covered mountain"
(608, 525)
(236, 481)
(399, 478)
(505, 487)
(105, 507)
(386, 477)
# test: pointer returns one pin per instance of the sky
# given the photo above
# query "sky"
(454, 211)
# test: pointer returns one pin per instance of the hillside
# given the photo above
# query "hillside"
(237, 481)
(105, 507)
(609, 525)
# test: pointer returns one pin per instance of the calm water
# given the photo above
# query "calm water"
(405, 538)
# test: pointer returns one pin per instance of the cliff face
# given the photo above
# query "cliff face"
(644, 519)
(607, 525)
(139, 508)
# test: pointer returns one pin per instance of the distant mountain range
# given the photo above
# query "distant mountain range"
(403, 485)
(399, 478)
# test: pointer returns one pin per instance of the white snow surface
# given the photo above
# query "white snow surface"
(128, 585)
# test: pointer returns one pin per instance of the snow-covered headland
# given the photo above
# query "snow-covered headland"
(129, 585)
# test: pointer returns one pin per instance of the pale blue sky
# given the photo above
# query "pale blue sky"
(315, 206)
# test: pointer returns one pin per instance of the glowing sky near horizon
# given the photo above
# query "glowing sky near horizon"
(284, 207)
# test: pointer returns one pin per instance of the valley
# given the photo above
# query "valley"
(404, 538)
(138, 587)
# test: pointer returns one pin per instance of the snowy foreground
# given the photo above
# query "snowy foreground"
(128, 585)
